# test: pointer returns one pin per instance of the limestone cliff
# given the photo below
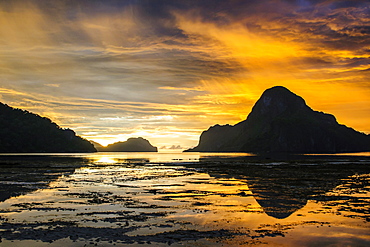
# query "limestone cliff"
(280, 121)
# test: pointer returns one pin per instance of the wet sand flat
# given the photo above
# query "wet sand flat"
(184, 200)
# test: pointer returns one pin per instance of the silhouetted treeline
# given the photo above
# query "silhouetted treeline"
(23, 131)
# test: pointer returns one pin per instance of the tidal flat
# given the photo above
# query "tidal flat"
(184, 199)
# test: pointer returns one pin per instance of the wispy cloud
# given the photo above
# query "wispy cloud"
(169, 69)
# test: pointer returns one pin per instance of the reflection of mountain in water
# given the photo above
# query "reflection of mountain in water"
(21, 175)
(281, 188)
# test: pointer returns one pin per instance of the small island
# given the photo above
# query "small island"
(131, 145)
(281, 122)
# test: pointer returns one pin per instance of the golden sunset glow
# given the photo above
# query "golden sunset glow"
(111, 70)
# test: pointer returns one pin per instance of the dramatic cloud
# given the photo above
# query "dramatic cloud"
(166, 70)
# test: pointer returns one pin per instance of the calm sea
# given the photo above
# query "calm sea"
(184, 199)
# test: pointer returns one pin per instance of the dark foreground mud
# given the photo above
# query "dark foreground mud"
(218, 201)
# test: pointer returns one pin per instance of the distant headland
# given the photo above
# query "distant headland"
(131, 145)
(281, 122)
(25, 132)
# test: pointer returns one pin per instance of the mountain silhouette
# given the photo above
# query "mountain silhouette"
(280, 121)
(97, 146)
(25, 132)
(131, 145)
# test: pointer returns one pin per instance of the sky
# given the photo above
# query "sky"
(167, 70)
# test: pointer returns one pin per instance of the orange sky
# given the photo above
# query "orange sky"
(167, 70)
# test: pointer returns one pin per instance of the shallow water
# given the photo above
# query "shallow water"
(184, 199)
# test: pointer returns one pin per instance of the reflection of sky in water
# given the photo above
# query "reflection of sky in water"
(153, 157)
(143, 157)
(113, 200)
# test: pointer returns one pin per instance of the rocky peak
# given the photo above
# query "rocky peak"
(277, 101)
(281, 121)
